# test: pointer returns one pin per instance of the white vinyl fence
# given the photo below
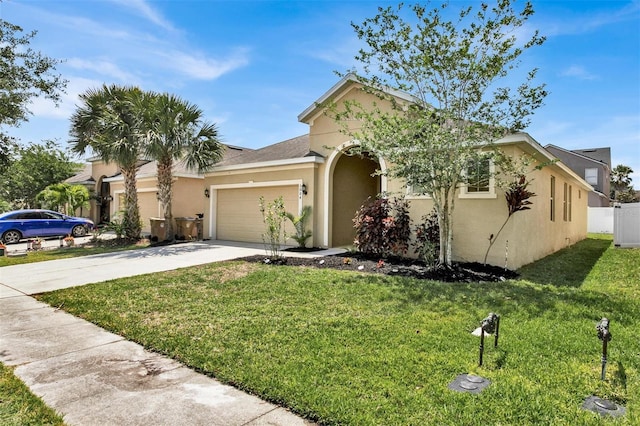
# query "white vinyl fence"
(626, 225)
(600, 220)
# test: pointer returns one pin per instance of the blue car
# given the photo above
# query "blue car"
(19, 224)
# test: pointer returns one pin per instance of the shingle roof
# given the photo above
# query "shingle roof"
(82, 177)
(297, 147)
(150, 168)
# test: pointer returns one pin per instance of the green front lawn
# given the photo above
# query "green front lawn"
(68, 252)
(352, 348)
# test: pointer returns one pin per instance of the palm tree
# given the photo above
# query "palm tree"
(64, 197)
(78, 198)
(109, 122)
(54, 197)
(621, 189)
(175, 131)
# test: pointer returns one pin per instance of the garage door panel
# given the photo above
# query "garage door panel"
(238, 213)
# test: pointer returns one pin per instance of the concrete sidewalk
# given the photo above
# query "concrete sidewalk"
(93, 377)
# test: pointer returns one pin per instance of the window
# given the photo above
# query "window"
(569, 203)
(591, 176)
(47, 215)
(478, 175)
(552, 199)
(417, 191)
(565, 202)
(479, 180)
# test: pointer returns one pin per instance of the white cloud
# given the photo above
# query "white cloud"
(587, 23)
(578, 72)
(201, 67)
(81, 25)
(102, 67)
(141, 7)
(42, 107)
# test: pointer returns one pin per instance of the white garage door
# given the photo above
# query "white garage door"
(238, 213)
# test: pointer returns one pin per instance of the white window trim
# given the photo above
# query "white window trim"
(480, 195)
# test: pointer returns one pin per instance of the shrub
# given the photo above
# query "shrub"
(273, 216)
(383, 227)
(300, 225)
(427, 244)
(117, 226)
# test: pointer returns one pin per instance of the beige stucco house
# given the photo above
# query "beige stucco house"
(313, 170)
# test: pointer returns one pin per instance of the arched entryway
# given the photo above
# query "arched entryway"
(353, 181)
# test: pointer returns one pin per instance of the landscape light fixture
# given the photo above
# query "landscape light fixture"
(469, 382)
(594, 403)
(491, 324)
(603, 334)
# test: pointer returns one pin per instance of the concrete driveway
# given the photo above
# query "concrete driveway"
(32, 278)
(93, 377)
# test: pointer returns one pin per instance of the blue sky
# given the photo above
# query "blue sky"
(253, 66)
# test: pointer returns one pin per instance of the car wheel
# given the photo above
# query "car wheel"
(79, 231)
(12, 236)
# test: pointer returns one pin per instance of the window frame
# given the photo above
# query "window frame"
(490, 193)
(587, 176)
(416, 196)
(552, 199)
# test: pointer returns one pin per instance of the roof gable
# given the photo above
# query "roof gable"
(341, 87)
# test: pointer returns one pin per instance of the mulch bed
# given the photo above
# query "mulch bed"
(458, 272)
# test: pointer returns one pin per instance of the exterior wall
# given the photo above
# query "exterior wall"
(528, 235)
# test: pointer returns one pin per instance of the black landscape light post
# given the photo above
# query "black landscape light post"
(489, 325)
(594, 403)
(605, 336)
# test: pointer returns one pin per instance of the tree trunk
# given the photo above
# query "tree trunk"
(131, 218)
(444, 208)
(165, 193)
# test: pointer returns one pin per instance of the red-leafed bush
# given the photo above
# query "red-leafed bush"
(383, 227)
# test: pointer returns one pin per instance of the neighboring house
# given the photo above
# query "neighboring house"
(593, 165)
(106, 184)
(316, 170)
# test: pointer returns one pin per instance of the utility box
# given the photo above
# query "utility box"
(158, 229)
(626, 225)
